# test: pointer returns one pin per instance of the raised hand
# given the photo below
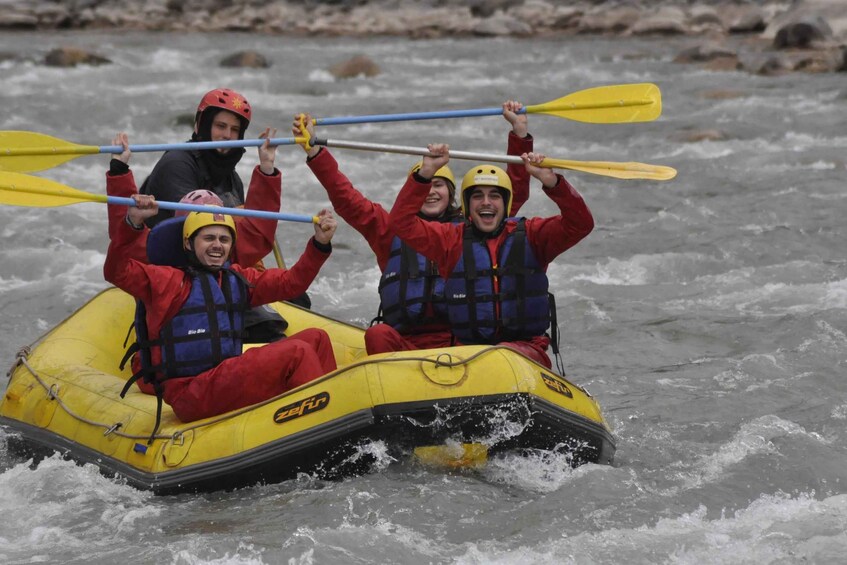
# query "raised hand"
(145, 207)
(519, 122)
(301, 127)
(325, 228)
(440, 157)
(546, 175)
(267, 152)
(122, 139)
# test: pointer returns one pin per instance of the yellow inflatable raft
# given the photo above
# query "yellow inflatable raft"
(63, 395)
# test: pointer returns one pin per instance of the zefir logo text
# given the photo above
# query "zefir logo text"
(302, 407)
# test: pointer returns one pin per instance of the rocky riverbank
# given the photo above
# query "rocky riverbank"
(758, 36)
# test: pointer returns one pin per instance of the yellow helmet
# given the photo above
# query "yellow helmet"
(443, 173)
(486, 175)
(197, 220)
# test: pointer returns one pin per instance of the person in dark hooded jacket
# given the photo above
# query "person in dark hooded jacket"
(222, 115)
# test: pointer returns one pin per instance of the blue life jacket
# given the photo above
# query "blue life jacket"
(519, 310)
(208, 328)
(409, 283)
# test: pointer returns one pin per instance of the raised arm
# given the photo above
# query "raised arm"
(552, 236)
(284, 284)
(365, 216)
(519, 142)
(440, 242)
(256, 237)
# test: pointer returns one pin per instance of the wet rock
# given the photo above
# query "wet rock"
(704, 15)
(669, 20)
(723, 64)
(697, 136)
(73, 56)
(53, 16)
(802, 32)
(704, 52)
(613, 20)
(487, 8)
(565, 17)
(501, 26)
(359, 65)
(536, 13)
(16, 20)
(248, 59)
(767, 64)
(751, 21)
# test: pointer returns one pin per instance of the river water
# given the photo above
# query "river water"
(707, 315)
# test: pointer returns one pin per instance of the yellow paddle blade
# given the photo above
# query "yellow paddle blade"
(606, 104)
(454, 456)
(27, 152)
(630, 170)
(25, 190)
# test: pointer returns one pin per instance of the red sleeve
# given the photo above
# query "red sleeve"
(517, 172)
(551, 237)
(366, 217)
(440, 242)
(273, 285)
(144, 282)
(124, 187)
(256, 237)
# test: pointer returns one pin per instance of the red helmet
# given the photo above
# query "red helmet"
(225, 99)
(199, 196)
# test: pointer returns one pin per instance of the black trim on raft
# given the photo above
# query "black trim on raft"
(480, 418)
(328, 451)
(332, 451)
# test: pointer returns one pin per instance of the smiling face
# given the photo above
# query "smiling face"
(226, 126)
(486, 208)
(438, 198)
(212, 245)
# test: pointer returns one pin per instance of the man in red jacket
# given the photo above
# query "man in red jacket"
(494, 268)
(411, 292)
(192, 351)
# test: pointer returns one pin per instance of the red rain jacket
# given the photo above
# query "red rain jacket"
(371, 219)
(442, 243)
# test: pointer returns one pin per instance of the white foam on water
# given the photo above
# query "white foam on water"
(753, 438)
(40, 499)
(253, 555)
(639, 269)
(776, 528)
(351, 295)
(538, 470)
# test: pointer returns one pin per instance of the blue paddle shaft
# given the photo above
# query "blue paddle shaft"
(191, 145)
(262, 214)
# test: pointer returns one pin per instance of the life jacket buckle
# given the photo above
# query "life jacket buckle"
(112, 428)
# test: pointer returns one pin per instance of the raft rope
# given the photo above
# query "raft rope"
(114, 428)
